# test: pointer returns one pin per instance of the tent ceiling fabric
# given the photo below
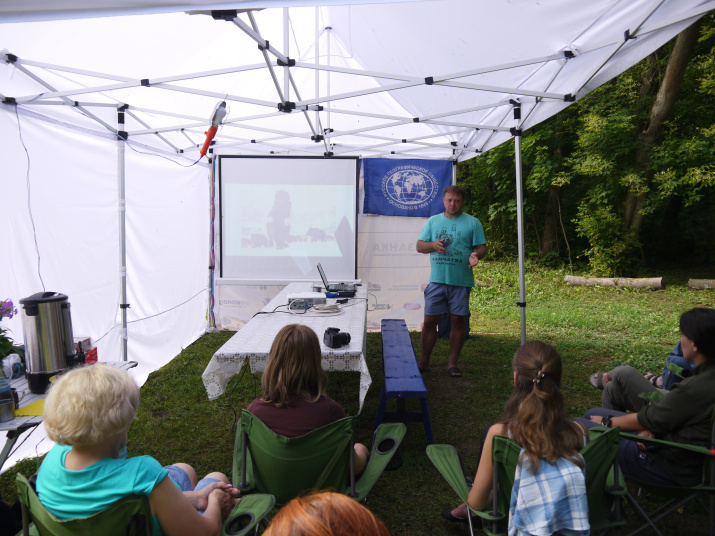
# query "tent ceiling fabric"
(434, 79)
(41, 10)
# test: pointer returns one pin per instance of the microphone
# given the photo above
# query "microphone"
(216, 119)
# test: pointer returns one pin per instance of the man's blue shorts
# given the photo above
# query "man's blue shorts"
(441, 298)
(179, 477)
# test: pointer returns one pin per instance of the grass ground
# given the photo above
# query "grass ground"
(593, 328)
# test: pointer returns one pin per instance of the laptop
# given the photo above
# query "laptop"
(343, 290)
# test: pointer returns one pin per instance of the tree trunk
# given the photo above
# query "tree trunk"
(659, 112)
(701, 284)
(549, 238)
(620, 282)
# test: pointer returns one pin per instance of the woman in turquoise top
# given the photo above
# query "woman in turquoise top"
(87, 413)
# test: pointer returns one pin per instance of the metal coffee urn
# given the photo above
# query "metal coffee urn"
(49, 343)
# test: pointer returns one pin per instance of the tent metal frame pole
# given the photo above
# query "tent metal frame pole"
(317, 62)
(520, 224)
(327, 99)
(286, 53)
(122, 204)
(272, 72)
(516, 131)
(520, 230)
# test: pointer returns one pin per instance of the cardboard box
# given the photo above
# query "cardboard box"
(88, 347)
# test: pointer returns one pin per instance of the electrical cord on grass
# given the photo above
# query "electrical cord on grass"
(235, 414)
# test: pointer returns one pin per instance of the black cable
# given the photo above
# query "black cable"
(277, 311)
(168, 310)
(255, 394)
(152, 316)
(29, 206)
(78, 110)
(157, 154)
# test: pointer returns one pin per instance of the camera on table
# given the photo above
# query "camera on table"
(334, 339)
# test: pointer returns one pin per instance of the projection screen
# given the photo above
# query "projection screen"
(279, 216)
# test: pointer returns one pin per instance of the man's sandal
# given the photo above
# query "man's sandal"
(599, 380)
(655, 379)
(454, 372)
(447, 514)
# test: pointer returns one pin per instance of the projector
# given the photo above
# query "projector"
(305, 300)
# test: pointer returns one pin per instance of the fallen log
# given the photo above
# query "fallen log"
(701, 284)
(620, 282)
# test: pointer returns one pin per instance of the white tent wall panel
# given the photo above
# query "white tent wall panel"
(167, 236)
(73, 189)
(73, 202)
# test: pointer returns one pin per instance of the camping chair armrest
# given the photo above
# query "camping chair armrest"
(386, 439)
(668, 444)
(487, 515)
(446, 459)
(247, 513)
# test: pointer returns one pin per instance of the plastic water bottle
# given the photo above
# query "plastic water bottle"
(7, 404)
(4, 383)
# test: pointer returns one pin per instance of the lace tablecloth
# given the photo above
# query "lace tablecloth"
(253, 341)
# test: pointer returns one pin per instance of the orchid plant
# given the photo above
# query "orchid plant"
(7, 310)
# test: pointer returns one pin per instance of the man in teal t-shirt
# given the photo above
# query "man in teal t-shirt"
(455, 242)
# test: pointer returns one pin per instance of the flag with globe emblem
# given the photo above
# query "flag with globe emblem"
(408, 187)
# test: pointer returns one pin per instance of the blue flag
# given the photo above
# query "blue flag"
(405, 187)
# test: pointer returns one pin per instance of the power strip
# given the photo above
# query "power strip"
(305, 300)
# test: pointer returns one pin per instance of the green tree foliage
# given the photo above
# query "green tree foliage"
(622, 178)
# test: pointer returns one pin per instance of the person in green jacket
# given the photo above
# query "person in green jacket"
(683, 416)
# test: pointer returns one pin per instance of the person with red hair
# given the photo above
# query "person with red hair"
(325, 514)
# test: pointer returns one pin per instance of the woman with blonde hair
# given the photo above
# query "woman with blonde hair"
(88, 411)
(535, 419)
(325, 514)
(294, 383)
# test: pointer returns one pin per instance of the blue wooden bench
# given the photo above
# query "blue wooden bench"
(402, 377)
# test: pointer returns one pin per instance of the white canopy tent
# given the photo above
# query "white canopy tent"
(104, 108)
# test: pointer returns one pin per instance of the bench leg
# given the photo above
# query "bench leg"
(425, 419)
(380, 409)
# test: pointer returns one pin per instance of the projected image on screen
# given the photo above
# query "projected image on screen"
(280, 216)
(288, 221)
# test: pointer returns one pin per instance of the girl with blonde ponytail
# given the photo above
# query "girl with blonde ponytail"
(535, 419)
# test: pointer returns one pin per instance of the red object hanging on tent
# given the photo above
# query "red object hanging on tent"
(216, 120)
(210, 133)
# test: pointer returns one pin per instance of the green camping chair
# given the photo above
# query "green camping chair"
(677, 496)
(604, 483)
(322, 459)
(601, 478)
(130, 516)
(248, 514)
